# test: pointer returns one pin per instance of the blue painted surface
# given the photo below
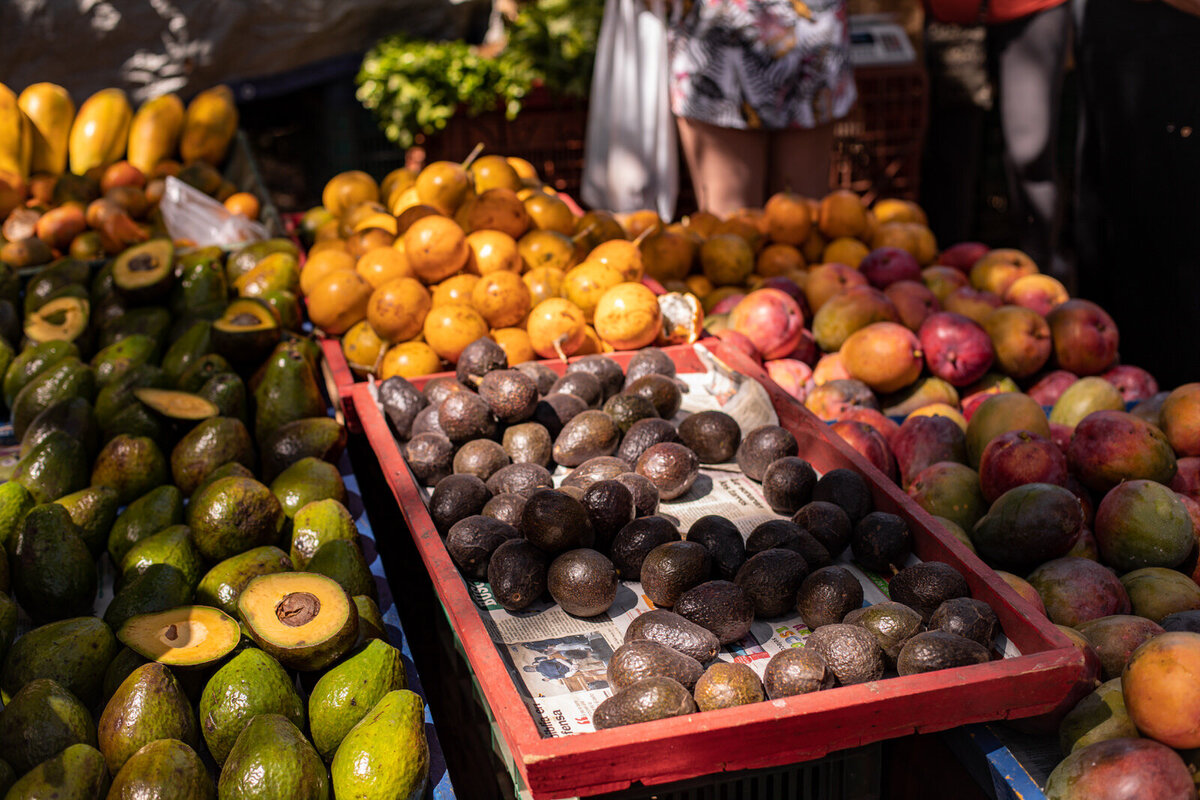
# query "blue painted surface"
(440, 787)
(1010, 780)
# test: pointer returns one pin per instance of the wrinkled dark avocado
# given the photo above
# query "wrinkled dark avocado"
(556, 410)
(891, 623)
(600, 468)
(925, 586)
(471, 542)
(438, 389)
(881, 542)
(724, 544)
(628, 409)
(457, 497)
(643, 658)
(671, 569)
(643, 435)
(464, 416)
(650, 361)
(516, 573)
(762, 447)
(967, 617)
(510, 394)
(522, 479)
(788, 484)
(638, 538)
(555, 521)
(430, 456)
(583, 385)
(604, 368)
(528, 443)
(588, 435)
(934, 650)
(848, 489)
(426, 421)
(797, 670)
(506, 507)
(827, 596)
(713, 436)
(482, 458)
(772, 578)
(826, 523)
(725, 685)
(670, 629)
(660, 390)
(722, 607)
(401, 401)
(610, 508)
(645, 493)
(671, 467)
(851, 652)
(583, 582)
(648, 699)
(543, 377)
(788, 535)
(478, 359)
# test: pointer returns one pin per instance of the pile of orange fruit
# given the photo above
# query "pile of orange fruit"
(410, 270)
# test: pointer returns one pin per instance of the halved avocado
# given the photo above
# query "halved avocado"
(184, 636)
(64, 319)
(174, 404)
(247, 331)
(306, 621)
(145, 273)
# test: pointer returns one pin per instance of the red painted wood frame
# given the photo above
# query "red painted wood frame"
(763, 734)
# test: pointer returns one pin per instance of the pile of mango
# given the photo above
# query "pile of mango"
(176, 439)
(87, 183)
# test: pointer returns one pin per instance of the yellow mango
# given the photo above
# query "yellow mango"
(154, 132)
(209, 126)
(51, 111)
(16, 138)
(100, 131)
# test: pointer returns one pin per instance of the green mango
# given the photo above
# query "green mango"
(54, 573)
(133, 465)
(66, 379)
(343, 561)
(72, 416)
(317, 523)
(227, 391)
(72, 652)
(385, 755)
(77, 773)
(15, 502)
(194, 344)
(93, 510)
(233, 515)
(213, 442)
(158, 587)
(147, 706)
(287, 391)
(154, 511)
(320, 437)
(306, 481)
(171, 546)
(166, 769)
(31, 362)
(271, 759)
(222, 585)
(346, 693)
(118, 358)
(41, 720)
(249, 684)
(56, 467)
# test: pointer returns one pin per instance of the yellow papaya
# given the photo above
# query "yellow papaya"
(51, 111)
(100, 131)
(209, 126)
(16, 139)
(154, 132)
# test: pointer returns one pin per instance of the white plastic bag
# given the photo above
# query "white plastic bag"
(190, 214)
(631, 160)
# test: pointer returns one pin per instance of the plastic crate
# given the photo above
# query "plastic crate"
(877, 148)
(765, 735)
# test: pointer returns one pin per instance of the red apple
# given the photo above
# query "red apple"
(956, 348)
(885, 265)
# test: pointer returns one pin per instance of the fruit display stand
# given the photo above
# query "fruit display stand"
(761, 735)
(1007, 764)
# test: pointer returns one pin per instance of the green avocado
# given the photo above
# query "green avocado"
(227, 391)
(40, 720)
(157, 588)
(148, 705)
(68, 378)
(15, 502)
(93, 510)
(308, 480)
(221, 585)
(319, 437)
(56, 467)
(200, 371)
(272, 759)
(8, 623)
(233, 515)
(166, 769)
(246, 259)
(343, 561)
(10, 288)
(386, 754)
(125, 662)
(77, 773)
(73, 417)
(31, 362)
(315, 524)
(152, 512)
(171, 546)
(118, 358)
(213, 442)
(152, 321)
(7, 353)
(118, 395)
(370, 621)
(288, 391)
(133, 465)
(8, 775)
(286, 306)
(194, 344)
(231, 469)
(346, 693)
(51, 279)
(72, 652)
(54, 575)
(246, 332)
(136, 420)
(251, 683)
(201, 288)
(648, 699)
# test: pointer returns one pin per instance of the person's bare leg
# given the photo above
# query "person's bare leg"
(728, 165)
(799, 160)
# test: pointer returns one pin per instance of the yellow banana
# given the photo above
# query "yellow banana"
(51, 111)
(100, 131)
(16, 137)
(209, 126)
(154, 132)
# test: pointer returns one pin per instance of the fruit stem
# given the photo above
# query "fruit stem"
(474, 154)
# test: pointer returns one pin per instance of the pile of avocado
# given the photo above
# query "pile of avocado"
(488, 440)
(174, 435)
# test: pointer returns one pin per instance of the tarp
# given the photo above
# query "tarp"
(150, 47)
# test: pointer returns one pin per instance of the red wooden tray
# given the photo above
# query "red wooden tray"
(769, 733)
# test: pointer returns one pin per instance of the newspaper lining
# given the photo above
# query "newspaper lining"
(559, 662)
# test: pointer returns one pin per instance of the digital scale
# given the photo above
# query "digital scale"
(876, 40)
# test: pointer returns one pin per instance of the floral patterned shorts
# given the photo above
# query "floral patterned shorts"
(760, 64)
